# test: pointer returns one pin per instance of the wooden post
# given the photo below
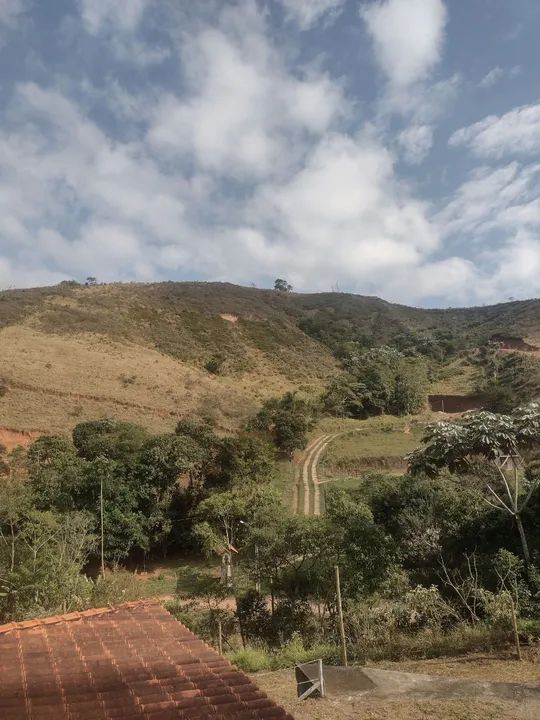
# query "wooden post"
(219, 638)
(322, 689)
(257, 575)
(340, 618)
(515, 628)
(101, 513)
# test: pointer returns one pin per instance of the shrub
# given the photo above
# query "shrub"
(215, 364)
(251, 659)
(115, 587)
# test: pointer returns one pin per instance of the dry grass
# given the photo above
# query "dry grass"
(281, 687)
(494, 668)
(56, 381)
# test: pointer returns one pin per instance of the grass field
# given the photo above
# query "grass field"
(378, 443)
(284, 481)
(55, 381)
(281, 687)
(457, 378)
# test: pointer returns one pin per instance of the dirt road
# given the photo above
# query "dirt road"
(306, 479)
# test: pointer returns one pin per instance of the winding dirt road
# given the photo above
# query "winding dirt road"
(306, 478)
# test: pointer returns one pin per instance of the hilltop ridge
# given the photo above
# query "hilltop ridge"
(153, 352)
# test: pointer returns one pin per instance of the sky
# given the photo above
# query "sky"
(382, 147)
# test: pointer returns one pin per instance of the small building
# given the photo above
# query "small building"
(132, 662)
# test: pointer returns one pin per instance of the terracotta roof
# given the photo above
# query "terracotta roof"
(133, 662)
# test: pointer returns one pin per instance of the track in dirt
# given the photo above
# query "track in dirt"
(306, 480)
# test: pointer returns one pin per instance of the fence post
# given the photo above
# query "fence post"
(515, 628)
(340, 617)
(220, 638)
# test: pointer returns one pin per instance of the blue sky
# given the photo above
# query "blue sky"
(384, 147)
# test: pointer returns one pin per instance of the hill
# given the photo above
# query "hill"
(151, 353)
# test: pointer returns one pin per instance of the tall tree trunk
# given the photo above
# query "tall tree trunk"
(523, 538)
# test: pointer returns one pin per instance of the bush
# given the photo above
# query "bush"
(254, 659)
(215, 364)
(251, 659)
(204, 623)
(115, 587)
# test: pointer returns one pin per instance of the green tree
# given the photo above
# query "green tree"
(50, 553)
(223, 520)
(287, 420)
(243, 461)
(377, 381)
(502, 441)
(56, 474)
(282, 285)
(112, 439)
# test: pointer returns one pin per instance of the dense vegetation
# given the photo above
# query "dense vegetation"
(434, 560)
(431, 561)
(381, 380)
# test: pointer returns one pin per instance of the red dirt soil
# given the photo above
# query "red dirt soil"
(454, 403)
(10, 439)
(507, 342)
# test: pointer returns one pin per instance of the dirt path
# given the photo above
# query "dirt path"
(306, 470)
(315, 478)
(306, 478)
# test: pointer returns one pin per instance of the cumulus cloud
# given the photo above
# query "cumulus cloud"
(347, 195)
(11, 12)
(497, 74)
(415, 142)
(93, 201)
(407, 37)
(498, 211)
(249, 166)
(308, 12)
(118, 24)
(515, 133)
(243, 111)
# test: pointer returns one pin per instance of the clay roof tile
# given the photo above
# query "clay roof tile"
(131, 662)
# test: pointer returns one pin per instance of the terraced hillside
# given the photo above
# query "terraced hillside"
(153, 352)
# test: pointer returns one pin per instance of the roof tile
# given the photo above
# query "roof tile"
(132, 662)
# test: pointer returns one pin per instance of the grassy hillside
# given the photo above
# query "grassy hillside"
(153, 352)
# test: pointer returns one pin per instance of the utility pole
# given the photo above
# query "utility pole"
(257, 575)
(220, 638)
(102, 534)
(340, 618)
(515, 628)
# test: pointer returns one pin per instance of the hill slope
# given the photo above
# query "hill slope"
(143, 352)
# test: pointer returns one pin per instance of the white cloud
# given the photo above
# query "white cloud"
(407, 37)
(100, 14)
(64, 178)
(347, 198)
(515, 133)
(119, 24)
(415, 142)
(497, 74)
(496, 212)
(244, 113)
(308, 12)
(243, 171)
(491, 199)
(11, 10)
